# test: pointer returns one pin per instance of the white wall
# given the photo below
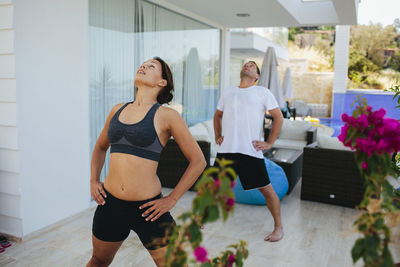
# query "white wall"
(342, 42)
(52, 109)
(10, 189)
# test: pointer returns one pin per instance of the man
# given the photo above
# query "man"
(238, 123)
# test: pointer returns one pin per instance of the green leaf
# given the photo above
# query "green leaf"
(395, 95)
(204, 180)
(231, 172)
(362, 227)
(206, 264)
(185, 216)
(239, 258)
(387, 258)
(225, 186)
(205, 200)
(210, 170)
(195, 234)
(372, 243)
(196, 205)
(379, 223)
(358, 250)
(212, 213)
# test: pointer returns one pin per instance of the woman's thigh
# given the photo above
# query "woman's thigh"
(103, 251)
(158, 255)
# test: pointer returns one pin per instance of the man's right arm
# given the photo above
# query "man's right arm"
(218, 127)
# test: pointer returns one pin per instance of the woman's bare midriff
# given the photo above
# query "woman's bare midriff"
(132, 178)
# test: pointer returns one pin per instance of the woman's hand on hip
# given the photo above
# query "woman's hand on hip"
(97, 192)
(157, 207)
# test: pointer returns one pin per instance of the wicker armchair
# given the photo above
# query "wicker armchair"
(331, 176)
(173, 163)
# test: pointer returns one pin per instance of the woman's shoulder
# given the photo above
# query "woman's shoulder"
(116, 107)
(168, 112)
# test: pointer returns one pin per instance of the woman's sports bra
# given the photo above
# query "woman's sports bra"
(139, 139)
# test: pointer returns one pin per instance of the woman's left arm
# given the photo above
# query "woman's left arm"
(193, 154)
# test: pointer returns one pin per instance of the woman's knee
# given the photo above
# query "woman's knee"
(100, 261)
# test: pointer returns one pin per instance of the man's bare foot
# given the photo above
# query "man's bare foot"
(275, 236)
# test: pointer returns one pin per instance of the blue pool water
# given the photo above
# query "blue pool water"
(334, 124)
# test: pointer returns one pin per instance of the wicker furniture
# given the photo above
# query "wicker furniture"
(331, 176)
(291, 161)
(173, 163)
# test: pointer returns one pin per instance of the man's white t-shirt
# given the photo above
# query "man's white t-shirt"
(242, 120)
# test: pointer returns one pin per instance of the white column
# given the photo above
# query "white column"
(10, 189)
(225, 57)
(342, 41)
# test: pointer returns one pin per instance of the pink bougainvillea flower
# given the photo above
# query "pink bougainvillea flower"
(362, 122)
(230, 203)
(364, 165)
(217, 182)
(231, 258)
(233, 183)
(343, 133)
(200, 254)
(345, 117)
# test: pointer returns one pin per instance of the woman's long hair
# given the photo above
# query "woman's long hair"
(165, 95)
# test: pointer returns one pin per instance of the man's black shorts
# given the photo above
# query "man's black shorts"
(251, 170)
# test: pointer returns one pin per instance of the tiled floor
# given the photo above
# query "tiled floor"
(315, 235)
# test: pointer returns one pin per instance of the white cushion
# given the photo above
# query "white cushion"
(209, 125)
(296, 130)
(212, 160)
(290, 143)
(325, 141)
(199, 132)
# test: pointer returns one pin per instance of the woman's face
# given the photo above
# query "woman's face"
(150, 74)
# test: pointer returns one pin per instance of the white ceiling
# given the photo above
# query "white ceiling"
(268, 13)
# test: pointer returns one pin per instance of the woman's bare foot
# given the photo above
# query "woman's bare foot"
(275, 236)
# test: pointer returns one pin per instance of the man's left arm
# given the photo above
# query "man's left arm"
(276, 128)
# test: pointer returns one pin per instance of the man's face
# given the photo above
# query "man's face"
(250, 70)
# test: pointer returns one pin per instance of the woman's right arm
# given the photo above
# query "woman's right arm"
(98, 157)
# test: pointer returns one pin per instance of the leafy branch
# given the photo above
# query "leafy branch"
(214, 199)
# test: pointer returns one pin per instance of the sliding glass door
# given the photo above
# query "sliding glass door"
(125, 33)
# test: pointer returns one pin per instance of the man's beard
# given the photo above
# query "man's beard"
(244, 74)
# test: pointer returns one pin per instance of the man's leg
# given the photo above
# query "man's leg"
(273, 205)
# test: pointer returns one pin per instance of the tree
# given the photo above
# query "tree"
(371, 40)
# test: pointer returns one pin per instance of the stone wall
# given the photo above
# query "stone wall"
(311, 87)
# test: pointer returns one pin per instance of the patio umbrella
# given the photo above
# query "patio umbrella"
(287, 84)
(269, 76)
(193, 92)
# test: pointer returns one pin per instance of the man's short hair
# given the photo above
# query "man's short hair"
(258, 69)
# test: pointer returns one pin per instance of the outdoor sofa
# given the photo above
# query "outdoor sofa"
(330, 174)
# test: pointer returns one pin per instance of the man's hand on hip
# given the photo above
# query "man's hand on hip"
(261, 145)
(219, 140)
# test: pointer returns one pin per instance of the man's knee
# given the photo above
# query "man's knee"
(267, 191)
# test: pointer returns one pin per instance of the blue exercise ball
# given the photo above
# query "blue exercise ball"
(278, 180)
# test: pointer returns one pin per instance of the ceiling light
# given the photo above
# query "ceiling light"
(243, 15)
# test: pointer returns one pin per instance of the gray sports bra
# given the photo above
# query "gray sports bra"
(139, 139)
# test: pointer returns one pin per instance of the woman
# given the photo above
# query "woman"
(130, 198)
